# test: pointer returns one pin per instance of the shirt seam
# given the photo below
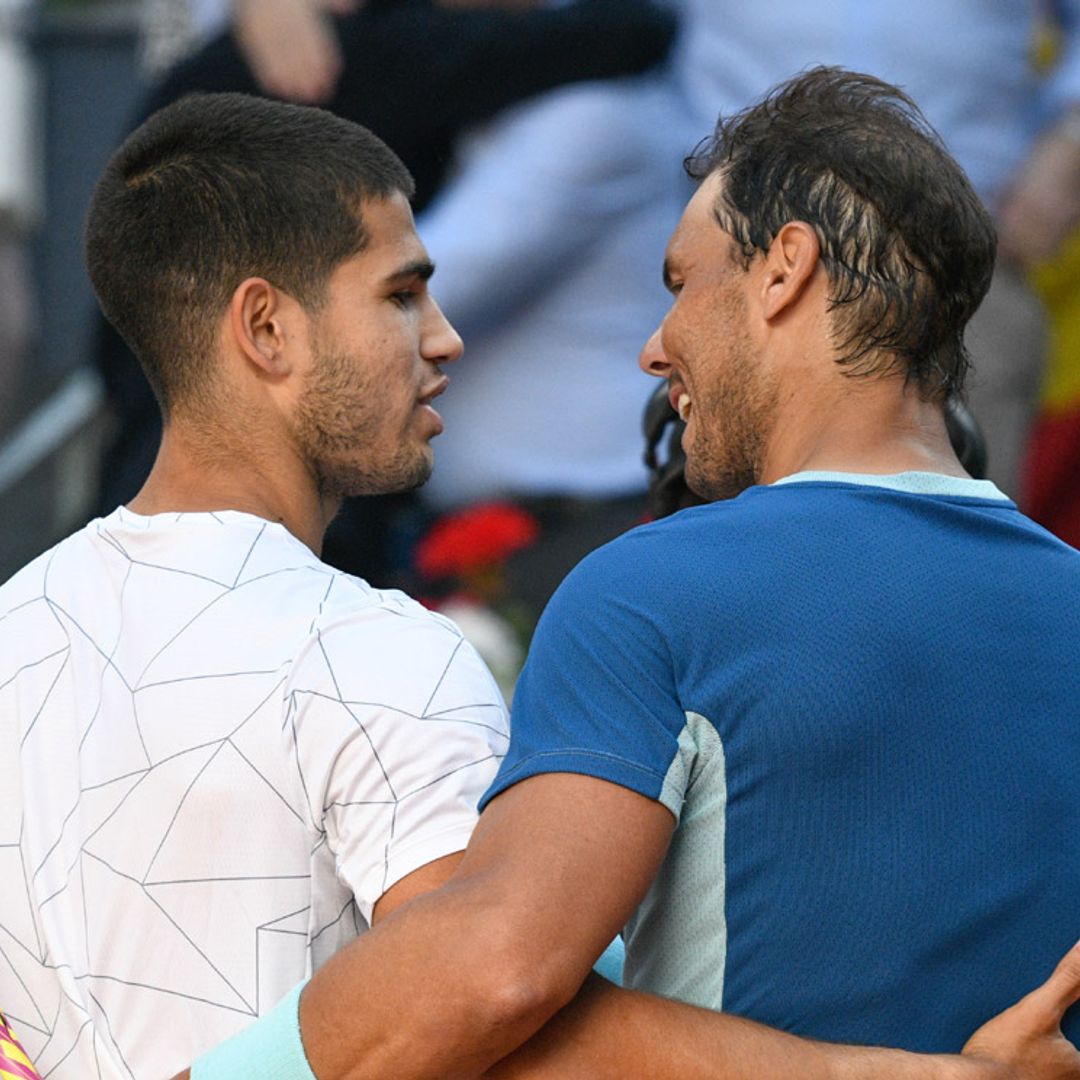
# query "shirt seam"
(578, 753)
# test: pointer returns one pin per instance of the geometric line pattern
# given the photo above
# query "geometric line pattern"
(227, 751)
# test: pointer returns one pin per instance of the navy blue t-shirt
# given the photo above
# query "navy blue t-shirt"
(860, 699)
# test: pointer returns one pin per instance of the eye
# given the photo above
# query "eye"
(406, 297)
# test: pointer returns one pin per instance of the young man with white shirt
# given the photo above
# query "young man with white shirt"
(228, 758)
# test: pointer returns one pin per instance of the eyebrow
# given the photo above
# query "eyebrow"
(420, 268)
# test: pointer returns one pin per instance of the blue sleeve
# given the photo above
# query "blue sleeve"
(597, 695)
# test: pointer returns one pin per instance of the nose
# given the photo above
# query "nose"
(652, 359)
(441, 343)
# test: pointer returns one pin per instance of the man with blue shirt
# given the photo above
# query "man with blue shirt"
(814, 745)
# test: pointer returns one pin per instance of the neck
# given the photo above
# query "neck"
(872, 425)
(267, 481)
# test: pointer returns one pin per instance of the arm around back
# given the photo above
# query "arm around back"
(459, 978)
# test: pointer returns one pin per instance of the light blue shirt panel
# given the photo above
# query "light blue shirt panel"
(676, 940)
(965, 62)
(913, 483)
(549, 246)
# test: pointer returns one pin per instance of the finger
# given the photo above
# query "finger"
(1062, 989)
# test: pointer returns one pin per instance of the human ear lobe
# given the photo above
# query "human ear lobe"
(257, 317)
(789, 265)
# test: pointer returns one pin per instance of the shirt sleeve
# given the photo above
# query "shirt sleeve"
(397, 728)
(598, 695)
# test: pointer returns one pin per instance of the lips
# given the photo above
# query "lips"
(434, 391)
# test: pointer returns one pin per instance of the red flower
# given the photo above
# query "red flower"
(480, 537)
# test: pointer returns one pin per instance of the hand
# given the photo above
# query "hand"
(1042, 205)
(1027, 1038)
(290, 46)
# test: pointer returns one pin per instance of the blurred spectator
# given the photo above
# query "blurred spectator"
(555, 303)
(969, 68)
(549, 245)
(1052, 477)
(289, 45)
(417, 73)
(173, 29)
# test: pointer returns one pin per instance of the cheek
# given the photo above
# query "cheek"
(686, 333)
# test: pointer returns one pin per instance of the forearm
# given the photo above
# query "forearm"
(438, 990)
(612, 1034)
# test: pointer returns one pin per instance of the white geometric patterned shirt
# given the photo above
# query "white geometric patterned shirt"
(218, 753)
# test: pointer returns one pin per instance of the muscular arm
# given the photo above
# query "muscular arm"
(458, 979)
(610, 1034)
(452, 982)
(463, 975)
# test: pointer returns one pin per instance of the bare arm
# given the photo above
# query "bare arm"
(1042, 206)
(291, 46)
(432, 876)
(457, 979)
(608, 1034)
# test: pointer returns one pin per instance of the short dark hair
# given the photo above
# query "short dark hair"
(906, 243)
(213, 189)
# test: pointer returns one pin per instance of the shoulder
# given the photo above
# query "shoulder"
(658, 579)
(32, 640)
(27, 591)
(650, 556)
(383, 648)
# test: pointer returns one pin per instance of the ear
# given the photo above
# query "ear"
(790, 263)
(259, 323)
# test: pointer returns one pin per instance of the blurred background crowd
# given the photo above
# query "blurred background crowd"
(546, 139)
